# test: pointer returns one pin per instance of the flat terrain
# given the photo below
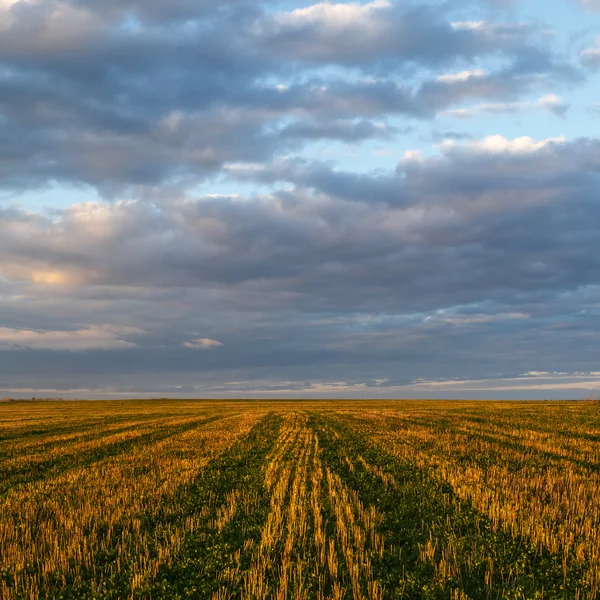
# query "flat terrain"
(353, 500)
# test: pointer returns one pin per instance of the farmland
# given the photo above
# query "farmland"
(324, 500)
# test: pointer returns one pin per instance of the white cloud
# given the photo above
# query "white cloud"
(462, 76)
(243, 169)
(468, 25)
(94, 337)
(520, 145)
(202, 343)
(333, 16)
(473, 319)
(486, 108)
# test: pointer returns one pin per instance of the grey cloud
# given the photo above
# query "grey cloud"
(465, 175)
(479, 258)
(382, 188)
(506, 85)
(45, 138)
(439, 230)
(439, 136)
(352, 131)
(379, 32)
(388, 96)
(89, 88)
(467, 351)
(157, 11)
(335, 98)
(176, 147)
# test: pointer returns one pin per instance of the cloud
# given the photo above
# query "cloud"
(359, 34)
(541, 381)
(336, 17)
(126, 96)
(593, 5)
(591, 56)
(202, 343)
(460, 77)
(213, 210)
(447, 318)
(80, 140)
(524, 144)
(555, 104)
(53, 27)
(437, 228)
(539, 386)
(94, 337)
(487, 109)
(347, 131)
(551, 102)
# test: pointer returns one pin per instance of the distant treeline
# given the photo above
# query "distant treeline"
(33, 399)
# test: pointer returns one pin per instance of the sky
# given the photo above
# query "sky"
(262, 198)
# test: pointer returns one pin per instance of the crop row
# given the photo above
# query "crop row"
(325, 501)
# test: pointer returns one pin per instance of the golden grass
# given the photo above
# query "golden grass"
(534, 479)
(531, 469)
(57, 526)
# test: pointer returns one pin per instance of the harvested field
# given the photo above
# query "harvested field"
(323, 500)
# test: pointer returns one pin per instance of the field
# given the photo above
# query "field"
(323, 500)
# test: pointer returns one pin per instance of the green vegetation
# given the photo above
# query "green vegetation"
(324, 500)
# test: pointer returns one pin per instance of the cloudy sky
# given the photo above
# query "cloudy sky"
(395, 198)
